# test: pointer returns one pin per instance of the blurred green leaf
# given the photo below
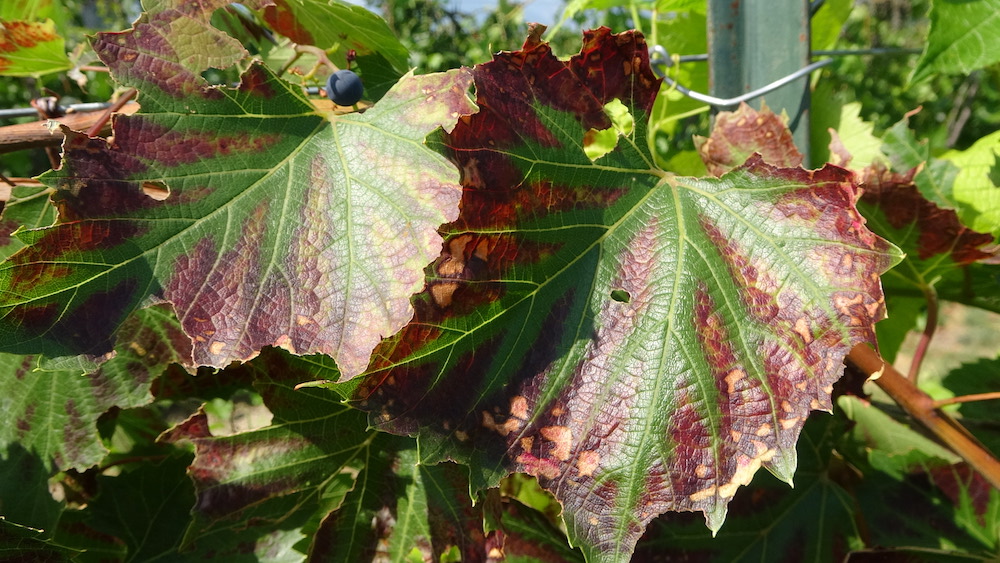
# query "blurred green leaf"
(964, 36)
(31, 48)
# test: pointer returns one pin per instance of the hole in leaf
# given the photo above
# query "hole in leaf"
(599, 142)
(621, 296)
(156, 190)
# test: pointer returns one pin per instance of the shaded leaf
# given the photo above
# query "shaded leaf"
(146, 508)
(964, 37)
(303, 462)
(745, 293)
(25, 498)
(31, 48)
(23, 543)
(815, 521)
(914, 490)
(54, 413)
(28, 207)
(737, 135)
(530, 537)
(278, 228)
(978, 416)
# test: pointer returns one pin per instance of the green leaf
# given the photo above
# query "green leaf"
(978, 416)
(964, 36)
(891, 446)
(274, 224)
(977, 196)
(145, 507)
(23, 543)
(31, 48)
(827, 23)
(24, 491)
(28, 207)
(745, 294)
(851, 139)
(330, 24)
(54, 413)
(301, 465)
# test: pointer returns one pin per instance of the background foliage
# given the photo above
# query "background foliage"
(139, 458)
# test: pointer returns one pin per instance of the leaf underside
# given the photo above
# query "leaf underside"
(640, 342)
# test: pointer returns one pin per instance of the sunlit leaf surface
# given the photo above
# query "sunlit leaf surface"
(639, 342)
(262, 220)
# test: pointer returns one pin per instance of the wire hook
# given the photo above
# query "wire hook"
(660, 57)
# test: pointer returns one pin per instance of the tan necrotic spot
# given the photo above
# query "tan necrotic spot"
(562, 438)
(217, 347)
(587, 463)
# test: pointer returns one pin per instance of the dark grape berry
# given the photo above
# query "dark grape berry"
(344, 88)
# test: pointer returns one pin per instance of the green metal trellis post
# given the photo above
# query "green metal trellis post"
(754, 42)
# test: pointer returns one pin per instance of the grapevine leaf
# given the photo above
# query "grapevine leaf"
(815, 521)
(24, 490)
(933, 238)
(963, 38)
(907, 485)
(273, 224)
(54, 413)
(146, 508)
(640, 342)
(31, 48)
(739, 134)
(977, 196)
(935, 178)
(23, 543)
(27, 207)
(317, 462)
(328, 24)
(418, 511)
(303, 462)
(978, 416)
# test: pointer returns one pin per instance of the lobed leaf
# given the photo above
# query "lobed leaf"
(270, 222)
(54, 413)
(737, 135)
(963, 38)
(639, 342)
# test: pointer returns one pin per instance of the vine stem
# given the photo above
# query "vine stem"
(95, 129)
(922, 407)
(925, 339)
(967, 399)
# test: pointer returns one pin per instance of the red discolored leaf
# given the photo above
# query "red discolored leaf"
(274, 224)
(639, 342)
(918, 225)
(738, 135)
